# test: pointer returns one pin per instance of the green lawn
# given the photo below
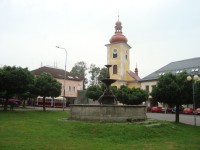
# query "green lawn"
(34, 130)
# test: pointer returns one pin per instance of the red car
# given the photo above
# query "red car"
(156, 109)
(197, 111)
(166, 110)
(148, 109)
(14, 102)
(187, 111)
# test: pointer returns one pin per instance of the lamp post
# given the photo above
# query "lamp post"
(194, 78)
(65, 73)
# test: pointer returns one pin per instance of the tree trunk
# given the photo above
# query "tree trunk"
(23, 103)
(44, 108)
(6, 104)
(177, 113)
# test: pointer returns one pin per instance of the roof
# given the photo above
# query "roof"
(118, 37)
(56, 73)
(134, 75)
(191, 66)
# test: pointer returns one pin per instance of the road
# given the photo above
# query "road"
(187, 119)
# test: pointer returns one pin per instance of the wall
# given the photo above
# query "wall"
(149, 83)
(73, 93)
(108, 113)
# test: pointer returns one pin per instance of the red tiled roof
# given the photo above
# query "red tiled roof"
(134, 75)
(56, 73)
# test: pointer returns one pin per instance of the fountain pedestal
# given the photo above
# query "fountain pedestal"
(108, 97)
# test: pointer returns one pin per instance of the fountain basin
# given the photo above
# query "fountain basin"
(108, 113)
(108, 81)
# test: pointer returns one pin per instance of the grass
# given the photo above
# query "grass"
(50, 130)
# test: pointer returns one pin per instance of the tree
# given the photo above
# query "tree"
(131, 96)
(45, 86)
(24, 96)
(94, 71)
(94, 92)
(80, 69)
(14, 81)
(102, 74)
(197, 94)
(173, 89)
(124, 95)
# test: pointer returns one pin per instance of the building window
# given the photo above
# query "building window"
(74, 88)
(114, 53)
(115, 69)
(147, 88)
(126, 56)
(195, 70)
(70, 88)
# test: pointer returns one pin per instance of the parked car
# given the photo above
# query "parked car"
(148, 109)
(156, 109)
(188, 111)
(180, 109)
(14, 102)
(166, 110)
(197, 111)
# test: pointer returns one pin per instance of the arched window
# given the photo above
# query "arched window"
(114, 69)
(114, 53)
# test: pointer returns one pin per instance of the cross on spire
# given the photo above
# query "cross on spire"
(118, 15)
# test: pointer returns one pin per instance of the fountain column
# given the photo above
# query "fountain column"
(108, 97)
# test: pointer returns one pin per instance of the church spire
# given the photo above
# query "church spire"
(118, 26)
(136, 70)
(118, 37)
(118, 15)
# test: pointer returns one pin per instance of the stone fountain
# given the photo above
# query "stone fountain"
(107, 110)
(107, 97)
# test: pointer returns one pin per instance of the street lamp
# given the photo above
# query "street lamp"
(65, 74)
(194, 78)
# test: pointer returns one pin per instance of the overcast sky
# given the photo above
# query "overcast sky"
(159, 31)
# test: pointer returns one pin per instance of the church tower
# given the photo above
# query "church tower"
(118, 57)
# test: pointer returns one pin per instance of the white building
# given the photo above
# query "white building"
(191, 66)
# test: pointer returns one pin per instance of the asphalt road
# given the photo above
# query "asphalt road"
(187, 119)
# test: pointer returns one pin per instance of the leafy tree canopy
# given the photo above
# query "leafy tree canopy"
(94, 92)
(124, 95)
(197, 94)
(94, 71)
(102, 74)
(131, 96)
(173, 89)
(14, 81)
(46, 85)
(80, 69)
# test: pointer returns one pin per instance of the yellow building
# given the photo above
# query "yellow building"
(118, 55)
